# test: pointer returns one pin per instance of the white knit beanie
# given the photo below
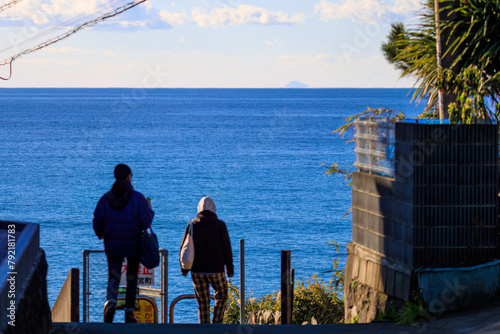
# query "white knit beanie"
(206, 203)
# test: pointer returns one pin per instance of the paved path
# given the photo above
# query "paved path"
(482, 320)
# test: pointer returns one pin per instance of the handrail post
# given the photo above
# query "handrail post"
(85, 282)
(286, 297)
(164, 285)
(242, 281)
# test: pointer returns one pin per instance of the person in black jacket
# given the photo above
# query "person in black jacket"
(212, 252)
(120, 216)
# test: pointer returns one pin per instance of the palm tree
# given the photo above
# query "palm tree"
(413, 52)
(473, 73)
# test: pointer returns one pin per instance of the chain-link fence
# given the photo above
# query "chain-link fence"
(95, 280)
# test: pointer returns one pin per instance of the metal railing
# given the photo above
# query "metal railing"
(95, 278)
(179, 298)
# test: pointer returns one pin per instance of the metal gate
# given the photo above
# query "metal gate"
(95, 280)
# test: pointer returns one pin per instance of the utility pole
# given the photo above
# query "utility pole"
(445, 58)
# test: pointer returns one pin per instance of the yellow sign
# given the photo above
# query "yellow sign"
(146, 311)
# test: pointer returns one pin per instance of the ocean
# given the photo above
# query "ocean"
(258, 153)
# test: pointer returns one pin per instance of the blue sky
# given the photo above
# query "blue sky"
(206, 43)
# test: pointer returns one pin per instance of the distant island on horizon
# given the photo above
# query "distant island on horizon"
(297, 84)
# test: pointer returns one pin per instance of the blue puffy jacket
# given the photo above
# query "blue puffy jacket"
(121, 228)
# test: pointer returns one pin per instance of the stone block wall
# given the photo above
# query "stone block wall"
(379, 260)
(372, 283)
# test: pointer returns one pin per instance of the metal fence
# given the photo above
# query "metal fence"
(451, 172)
(375, 146)
(95, 280)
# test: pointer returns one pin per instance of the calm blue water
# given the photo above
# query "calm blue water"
(256, 152)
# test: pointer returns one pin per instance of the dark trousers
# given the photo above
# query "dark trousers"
(114, 273)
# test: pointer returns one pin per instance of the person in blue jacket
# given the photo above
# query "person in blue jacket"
(119, 218)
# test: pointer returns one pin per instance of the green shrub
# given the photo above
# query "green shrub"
(411, 314)
(314, 301)
(264, 310)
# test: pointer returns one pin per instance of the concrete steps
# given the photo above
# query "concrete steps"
(100, 328)
(484, 319)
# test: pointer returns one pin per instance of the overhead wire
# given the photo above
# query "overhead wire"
(9, 4)
(103, 10)
(10, 72)
(103, 7)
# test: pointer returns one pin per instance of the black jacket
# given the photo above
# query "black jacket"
(212, 247)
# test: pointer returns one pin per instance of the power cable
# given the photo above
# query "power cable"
(101, 8)
(9, 4)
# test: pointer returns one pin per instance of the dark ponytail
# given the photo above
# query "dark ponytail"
(121, 185)
(121, 190)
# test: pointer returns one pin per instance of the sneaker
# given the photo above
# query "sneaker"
(109, 311)
(129, 317)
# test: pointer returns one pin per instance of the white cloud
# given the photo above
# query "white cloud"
(65, 49)
(73, 63)
(174, 18)
(306, 59)
(52, 12)
(43, 14)
(274, 42)
(39, 61)
(367, 10)
(243, 14)
(101, 65)
(325, 57)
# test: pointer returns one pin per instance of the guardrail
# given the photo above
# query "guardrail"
(95, 283)
(176, 300)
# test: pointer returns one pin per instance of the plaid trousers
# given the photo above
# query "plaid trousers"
(201, 284)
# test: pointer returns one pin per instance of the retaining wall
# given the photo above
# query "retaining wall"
(24, 287)
(439, 211)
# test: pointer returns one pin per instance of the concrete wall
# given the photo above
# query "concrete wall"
(33, 311)
(23, 286)
(382, 219)
(67, 306)
(379, 260)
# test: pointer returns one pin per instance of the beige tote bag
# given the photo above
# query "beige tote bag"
(187, 250)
